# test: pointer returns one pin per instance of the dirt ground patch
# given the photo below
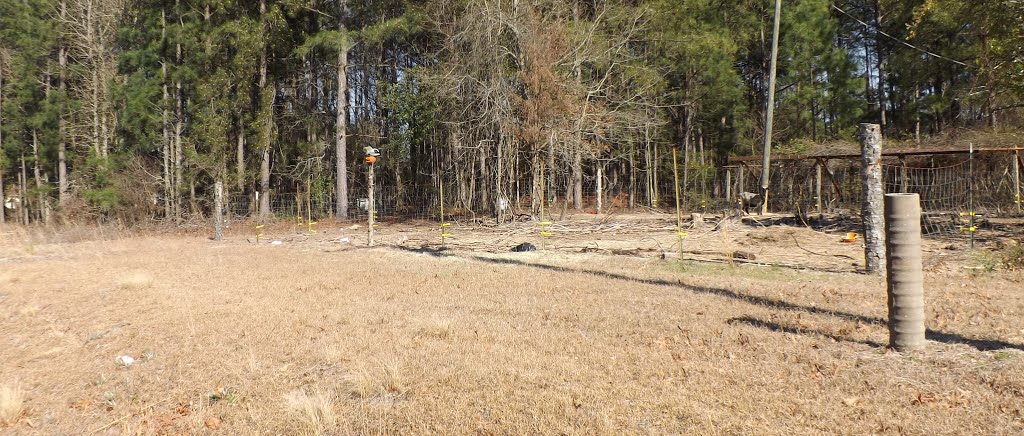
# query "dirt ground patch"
(593, 334)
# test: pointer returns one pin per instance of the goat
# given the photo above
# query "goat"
(749, 200)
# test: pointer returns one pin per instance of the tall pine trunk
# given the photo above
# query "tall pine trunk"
(179, 127)
(240, 155)
(43, 210)
(341, 140)
(23, 191)
(165, 120)
(267, 124)
(3, 198)
(880, 59)
(62, 165)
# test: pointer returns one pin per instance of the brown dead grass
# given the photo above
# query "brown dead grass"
(306, 338)
(314, 410)
(12, 404)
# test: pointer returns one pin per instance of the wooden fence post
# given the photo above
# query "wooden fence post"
(817, 185)
(728, 184)
(1016, 179)
(872, 204)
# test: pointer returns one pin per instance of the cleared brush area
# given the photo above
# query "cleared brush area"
(307, 338)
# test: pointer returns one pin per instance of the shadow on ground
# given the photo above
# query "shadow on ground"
(776, 327)
(933, 335)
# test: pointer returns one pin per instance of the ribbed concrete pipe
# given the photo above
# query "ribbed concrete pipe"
(904, 271)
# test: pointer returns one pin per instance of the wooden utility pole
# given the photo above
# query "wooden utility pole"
(873, 198)
(770, 113)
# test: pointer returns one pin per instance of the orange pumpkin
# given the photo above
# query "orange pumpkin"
(371, 159)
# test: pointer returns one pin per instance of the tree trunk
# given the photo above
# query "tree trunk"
(43, 208)
(267, 122)
(165, 122)
(3, 198)
(632, 175)
(600, 187)
(485, 200)
(917, 114)
(23, 191)
(240, 156)
(341, 143)
(537, 193)
(264, 192)
(179, 127)
(649, 165)
(880, 59)
(577, 179)
(62, 166)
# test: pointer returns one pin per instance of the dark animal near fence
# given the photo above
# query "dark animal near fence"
(751, 200)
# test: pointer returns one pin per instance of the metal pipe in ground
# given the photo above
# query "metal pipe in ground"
(905, 274)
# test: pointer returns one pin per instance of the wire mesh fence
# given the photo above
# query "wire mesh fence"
(951, 186)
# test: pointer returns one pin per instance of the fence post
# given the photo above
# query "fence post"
(728, 184)
(817, 185)
(970, 194)
(905, 284)
(872, 199)
(742, 186)
(679, 212)
(1016, 179)
(904, 183)
(218, 211)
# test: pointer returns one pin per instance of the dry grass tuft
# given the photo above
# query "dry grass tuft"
(136, 280)
(394, 382)
(361, 384)
(12, 404)
(29, 310)
(314, 409)
(440, 329)
(388, 381)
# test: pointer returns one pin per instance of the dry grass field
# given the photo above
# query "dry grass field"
(316, 336)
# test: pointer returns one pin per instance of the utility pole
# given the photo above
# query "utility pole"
(770, 114)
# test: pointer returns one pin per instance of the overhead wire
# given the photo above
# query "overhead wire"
(899, 40)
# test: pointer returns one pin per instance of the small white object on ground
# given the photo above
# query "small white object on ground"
(126, 360)
(343, 240)
(276, 243)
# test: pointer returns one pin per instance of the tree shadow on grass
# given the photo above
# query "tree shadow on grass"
(776, 327)
(771, 303)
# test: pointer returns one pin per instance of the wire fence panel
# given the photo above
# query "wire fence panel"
(951, 188)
